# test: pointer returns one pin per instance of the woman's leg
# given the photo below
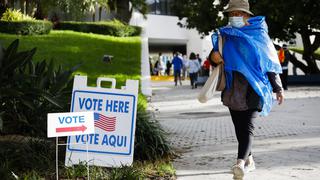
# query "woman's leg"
(175, 77)
(196, 79)
(243, 123)
(191, 79)
(179, 76)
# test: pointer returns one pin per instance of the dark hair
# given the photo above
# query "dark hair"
(193, 56)
(284, 46)
(277, 47)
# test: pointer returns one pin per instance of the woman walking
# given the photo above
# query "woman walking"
(194, 67)
(252, 73)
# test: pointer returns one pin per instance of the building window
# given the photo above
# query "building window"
(161, 7)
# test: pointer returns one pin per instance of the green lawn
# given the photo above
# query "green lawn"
(70, 48)
(300, 51)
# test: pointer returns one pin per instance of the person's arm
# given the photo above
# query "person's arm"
(276, 86)
(215, 57)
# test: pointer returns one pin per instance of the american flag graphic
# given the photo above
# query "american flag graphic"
(105, 123)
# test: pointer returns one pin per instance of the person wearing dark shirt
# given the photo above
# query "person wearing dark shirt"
(284, 65)
(168, 68)
(199, 59)
(177, 66)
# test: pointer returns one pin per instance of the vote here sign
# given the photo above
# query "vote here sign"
(67, 124)
(114, 119)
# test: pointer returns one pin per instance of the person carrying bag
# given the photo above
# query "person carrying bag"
(251, 69)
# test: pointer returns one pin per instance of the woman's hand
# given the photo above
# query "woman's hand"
(216, 58)
(280, 97)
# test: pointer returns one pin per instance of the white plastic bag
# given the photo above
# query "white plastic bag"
(210, 87)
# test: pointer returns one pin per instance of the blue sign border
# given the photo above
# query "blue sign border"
(132, 121)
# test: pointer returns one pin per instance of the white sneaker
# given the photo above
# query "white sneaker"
(238, 172)
(250, 167)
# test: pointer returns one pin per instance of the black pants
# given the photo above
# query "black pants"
(284, 79)
(177, 75)
(243, 124)
(193, 79)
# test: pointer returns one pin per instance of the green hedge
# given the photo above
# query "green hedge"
(26, 27)
(300, 51)
(112, 28)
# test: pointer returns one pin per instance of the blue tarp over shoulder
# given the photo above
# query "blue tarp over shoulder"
(250, 51)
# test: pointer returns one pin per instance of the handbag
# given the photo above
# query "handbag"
(215, 82)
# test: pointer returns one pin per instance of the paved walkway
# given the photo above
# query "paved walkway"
(286, 146)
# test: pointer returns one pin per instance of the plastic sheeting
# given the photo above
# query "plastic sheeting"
(250, 51)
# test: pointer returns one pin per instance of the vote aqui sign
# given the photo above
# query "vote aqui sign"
(112, 143)
(67, 124)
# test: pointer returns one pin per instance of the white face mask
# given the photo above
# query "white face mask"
(236, 21)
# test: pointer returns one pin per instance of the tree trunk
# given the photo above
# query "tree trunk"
(23, 6)
(308, 51)
(123, 11)
(27, 7)
(93, 16)
(4, 2)
(38, 14)
(293, 59)
(100, 12)
(3, 6)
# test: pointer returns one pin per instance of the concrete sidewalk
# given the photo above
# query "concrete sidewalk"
(286, 145)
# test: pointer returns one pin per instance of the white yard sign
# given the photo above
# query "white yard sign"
(67, 124)
(114, 119)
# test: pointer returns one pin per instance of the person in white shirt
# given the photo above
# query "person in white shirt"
(184, 69)
(194, 67)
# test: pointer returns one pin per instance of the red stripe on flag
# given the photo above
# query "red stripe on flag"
(106, 123)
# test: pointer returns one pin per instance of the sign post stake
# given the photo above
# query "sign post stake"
(88, 170)
(68, 124)
(57, 162)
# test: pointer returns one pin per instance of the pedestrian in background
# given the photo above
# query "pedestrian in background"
(168, 68)
(184, 68)
(206, 67)
(284, 65)
(177, 66)
(156, 69)
(161, 65)
(251, 67)
(150, 66)
(194, 67)
(199, 59)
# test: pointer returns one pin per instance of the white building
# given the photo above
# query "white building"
(165, 36)
(161, 34)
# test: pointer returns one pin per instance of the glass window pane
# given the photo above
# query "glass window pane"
(162, 7)
(151, 6)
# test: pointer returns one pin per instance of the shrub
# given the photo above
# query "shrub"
(26, 27)
(112, 28)
(29, 91)
(14, 15)
(26, 157)
(300, 51)
(14, 22)
(151, 142)
(126, 172)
